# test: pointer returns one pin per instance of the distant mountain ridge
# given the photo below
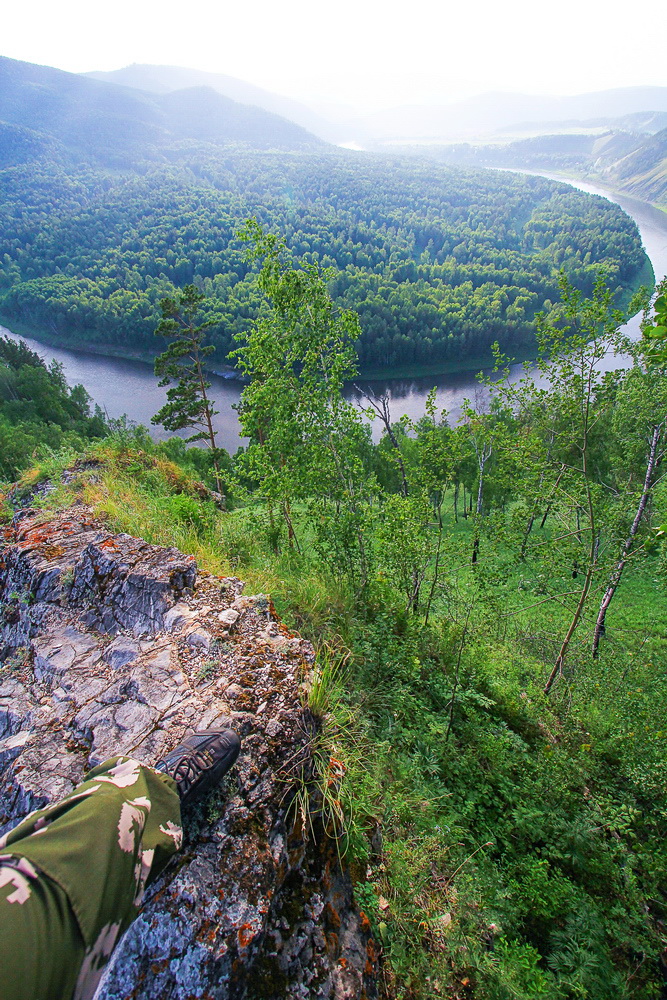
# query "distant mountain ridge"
(487, 113)
(118, 125)
(165, 79)
(637, 109)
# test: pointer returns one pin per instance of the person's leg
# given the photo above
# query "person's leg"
(83, 865)
(41, 948)
(73, 875)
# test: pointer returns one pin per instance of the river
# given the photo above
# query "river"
(129, 387)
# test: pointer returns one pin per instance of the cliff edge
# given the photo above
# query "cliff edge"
(109, 645)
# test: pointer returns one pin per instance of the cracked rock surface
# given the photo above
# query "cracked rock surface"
(109, 645)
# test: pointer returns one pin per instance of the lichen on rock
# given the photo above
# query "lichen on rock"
(109, 645)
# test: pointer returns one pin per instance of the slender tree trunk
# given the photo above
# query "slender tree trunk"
(524, 541)
(436, 568)
(480, 488)
(415, 590)
(615, 578)
(209, 425)
(556, 485)
(482, 458)
(560, 659)
(456, 503)
(291, 533)
(381, 406)
(272, 523)
(592, 561)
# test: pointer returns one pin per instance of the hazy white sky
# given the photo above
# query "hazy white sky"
(363, 52)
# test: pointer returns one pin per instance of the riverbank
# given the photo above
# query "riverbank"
(598, 180)
(460, 366)
(456, 366)
(22, 329)
(101, 350)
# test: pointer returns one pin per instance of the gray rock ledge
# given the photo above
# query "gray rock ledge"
(98, 656)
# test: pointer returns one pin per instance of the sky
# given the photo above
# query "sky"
(362, 53)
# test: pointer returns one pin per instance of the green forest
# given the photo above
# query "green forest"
(487, 601)
(437, 262)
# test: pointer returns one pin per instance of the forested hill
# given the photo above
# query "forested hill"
(116, 126)
(110, 198)
(625, 160)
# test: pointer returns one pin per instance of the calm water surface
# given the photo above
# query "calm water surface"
(130, 387)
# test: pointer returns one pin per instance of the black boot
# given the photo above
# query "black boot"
(200, 762)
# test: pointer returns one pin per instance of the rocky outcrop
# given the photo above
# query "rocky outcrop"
(109, 645)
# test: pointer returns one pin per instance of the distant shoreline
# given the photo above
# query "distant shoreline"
(371, 374)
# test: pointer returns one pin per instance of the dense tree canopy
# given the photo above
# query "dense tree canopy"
(38, 408)
(438, 262)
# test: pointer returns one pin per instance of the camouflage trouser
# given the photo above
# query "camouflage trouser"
(73, 875)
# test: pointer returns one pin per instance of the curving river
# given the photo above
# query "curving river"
(130, 387)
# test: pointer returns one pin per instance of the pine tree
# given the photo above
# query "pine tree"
(188, 404)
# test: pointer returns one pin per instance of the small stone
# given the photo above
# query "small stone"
(19, 740)
(273, 728)
(241, 603)
(177, 616)
(199, 639)
(229, 617)
(233, 692)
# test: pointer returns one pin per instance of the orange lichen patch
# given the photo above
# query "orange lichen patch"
(342, 961)
(245, 935)
(33, 534)
(332, 943)
(47, 532)
(332, 915)
(108, 543)
(53, 551)
(365, 922)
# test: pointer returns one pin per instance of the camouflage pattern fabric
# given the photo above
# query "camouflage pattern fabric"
(73, 875)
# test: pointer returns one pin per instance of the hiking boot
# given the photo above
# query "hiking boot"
(200, 762)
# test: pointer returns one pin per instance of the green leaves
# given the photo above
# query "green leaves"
(654, 328)
(187, 403)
